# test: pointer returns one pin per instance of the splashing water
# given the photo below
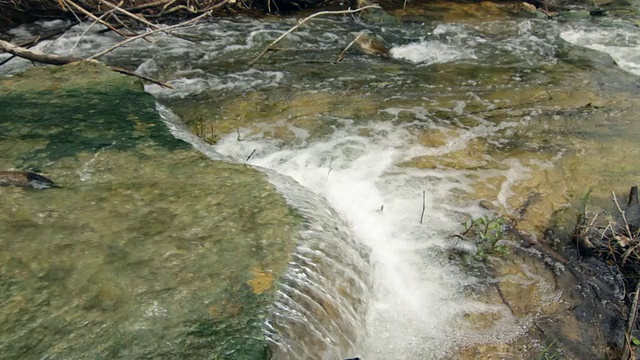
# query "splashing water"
(419, 298)
(351, 187)
(622, 44)
(322, 300)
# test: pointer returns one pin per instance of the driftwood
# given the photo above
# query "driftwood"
(36, 56)
(37, 39)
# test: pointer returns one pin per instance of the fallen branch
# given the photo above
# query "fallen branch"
(341, 12)
(41, 57)
(37, 39)
(75, 45)
(87, 13)
(143, 77)
(150, 5)
(424, 205)
(129, 14)
(36, 56)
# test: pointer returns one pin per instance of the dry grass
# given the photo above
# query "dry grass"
(615, 237)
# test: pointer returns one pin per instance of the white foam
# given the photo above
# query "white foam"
(418, 300)
(243, 80)
(430, 52)
(622, 44)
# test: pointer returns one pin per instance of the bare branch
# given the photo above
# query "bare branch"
(341, 56)
(305, 20)
(129, 14)
(36, 56)
(143, 77)
(87, 13)
(626, 224)
(87, 30)
(40, 57)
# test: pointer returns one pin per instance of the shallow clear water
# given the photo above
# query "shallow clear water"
(464, 111)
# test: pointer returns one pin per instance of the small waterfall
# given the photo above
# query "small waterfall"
(321, 302)
(322, 299)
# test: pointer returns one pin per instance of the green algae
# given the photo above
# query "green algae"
(149, 249)
(117, 113)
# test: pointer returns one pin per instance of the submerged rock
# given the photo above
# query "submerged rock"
(371, 44)
(25, 179)
(151, 250)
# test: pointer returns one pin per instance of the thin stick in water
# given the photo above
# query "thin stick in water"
(305, 20)
(424, 205)
(250, 155)
(131, 73)
(341, 56)
(87, 30)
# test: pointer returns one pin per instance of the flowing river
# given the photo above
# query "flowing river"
(475, 111)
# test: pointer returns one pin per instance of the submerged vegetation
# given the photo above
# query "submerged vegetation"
(486, 232)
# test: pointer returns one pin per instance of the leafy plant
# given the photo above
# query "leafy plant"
(486, 232)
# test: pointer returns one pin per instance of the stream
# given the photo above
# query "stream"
(476, 111)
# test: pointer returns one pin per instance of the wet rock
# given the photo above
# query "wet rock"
(149, 250)
(371, 44)
(373, 15)
(25, 179)
(574, 15)
(531, 10)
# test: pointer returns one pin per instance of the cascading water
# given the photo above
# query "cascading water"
(322, 300)
(371, 277)
(418, 300)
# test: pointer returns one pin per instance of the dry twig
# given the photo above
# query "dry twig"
(341, 12)
(341, 56)
(143, 77)
(87, 13)
(129, 14)
(87, 30)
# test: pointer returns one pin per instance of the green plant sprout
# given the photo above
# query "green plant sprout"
(486, 232)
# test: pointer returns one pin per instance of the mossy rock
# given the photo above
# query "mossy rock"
(148, 250)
